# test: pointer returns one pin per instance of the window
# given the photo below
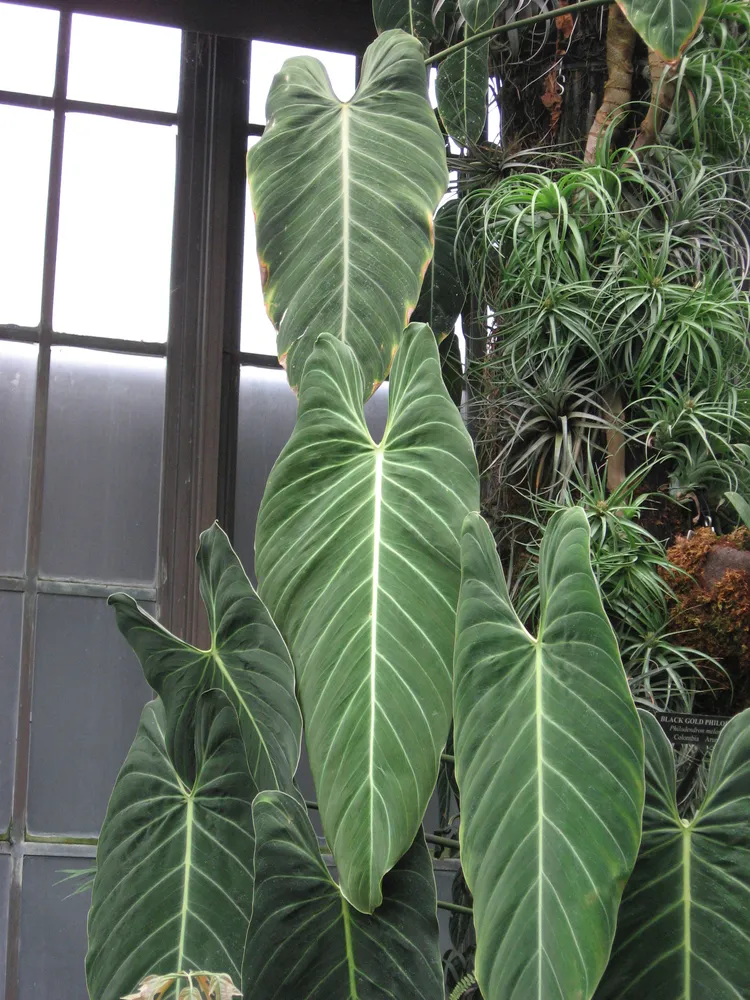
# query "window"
(87, 194)
(139, 394)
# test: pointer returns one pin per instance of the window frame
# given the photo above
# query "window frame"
(202, 350)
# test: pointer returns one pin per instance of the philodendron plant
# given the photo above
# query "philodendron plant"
(382, 614)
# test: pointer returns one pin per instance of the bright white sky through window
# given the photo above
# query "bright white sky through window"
(117, 198)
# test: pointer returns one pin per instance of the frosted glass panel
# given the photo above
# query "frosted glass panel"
(114, 251)
(267, 58)
(267, 413)
(123, 62)
(17, 391)
(257, 332)
(10, 665)
(53, 931)
(103, 466)
(88, 695)
(25, 137)
(28, 49)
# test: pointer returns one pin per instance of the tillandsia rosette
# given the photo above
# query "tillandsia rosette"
(201, 986)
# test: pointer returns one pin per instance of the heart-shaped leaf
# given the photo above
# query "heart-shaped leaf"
(461, 88)
(665, 25)
(480, 14)
(357, 555)
(344, 195)
(549, 763)
(414, 16)
(684, 925)
(443, 290)
(306, 941)
(174, 880)
(247, 659)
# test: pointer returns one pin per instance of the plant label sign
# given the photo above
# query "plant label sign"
(692, 730)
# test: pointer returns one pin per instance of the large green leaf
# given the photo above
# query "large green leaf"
(247, 659)
(683, 932)
(306, 941)
(344, 195)
(549, 763)
(414, 16)
(461, 88)
(443, 290)
(357, 555)
(665, 25)
(480, 14)
(174, 882)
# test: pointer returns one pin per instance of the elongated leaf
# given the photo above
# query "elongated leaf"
(740, 505)
(306, 941)
(247, 659)
(414, 16)
(452, 367)
(174, 883)
(683, 932)
(344, 195)
(357, 554)
(549, 763)
(665, 25)
(480, 14)
(461, 88)
(443, 291)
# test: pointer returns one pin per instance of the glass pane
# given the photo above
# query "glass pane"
(267, 58)
(53, 930)
(17, 392)
(444, 883)
(10, 665)
(257, 332)
(123, 62)
(24, 177)
(88, 695)
(28, 49)
(103, 466)
(267, 412)
(114, 250)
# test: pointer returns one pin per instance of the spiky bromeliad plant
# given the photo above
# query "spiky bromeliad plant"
(371, 561)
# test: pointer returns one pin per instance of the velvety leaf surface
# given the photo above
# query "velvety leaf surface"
(414, 16)
(357, 555)
(461, 87)
(480, 14)
(344, 195)
(665, 25)
(549, 763)
(452, 367)
(174, 882)
(443, 293)
(306, 941)
(247, 659)
(683, 932)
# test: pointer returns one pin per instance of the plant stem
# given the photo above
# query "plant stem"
(454, 907)
(503, 29)
(441, 841)
(311, 805)
(448, 757)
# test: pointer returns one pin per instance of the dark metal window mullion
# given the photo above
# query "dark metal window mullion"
(34, 521)
(201, 312)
